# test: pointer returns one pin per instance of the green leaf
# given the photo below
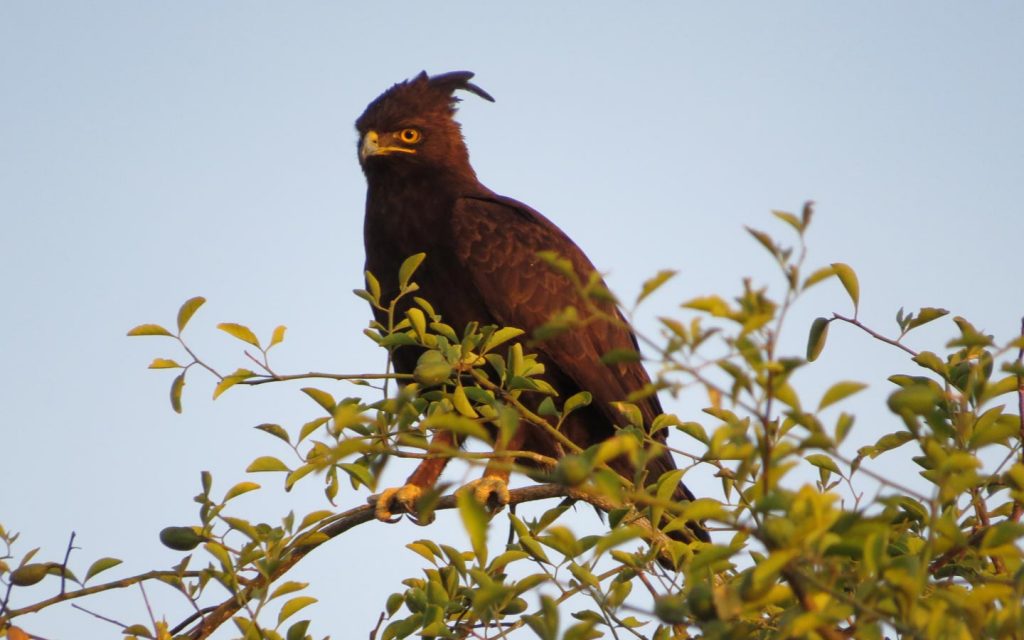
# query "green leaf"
(187, 310)
(838, 391)
(418, 319)
(930, 361)
(312, 426)
(360, 472)
(373, 286)
(150, 330)
(239, 489)
(819, 275)
(765, 240)
(501, 336)
(164, 363)
(789, 219)
(822, 461)
(229, 381)
(583, 575)
(714, 305)
(239, 331)
(926, 315)
(616, 356)
(314, 517)
(457, 424)
(703, 509)
(848, 277)
(293, 606)
(176, 387)
(695, 430)
(298, 630)
(891, 441)
(321, 397)
(474, 520)
(816, 339)
(409, 267)
(275, 430)
(547, 407)
(266, 463)
(652, 284)
(278, 336)
(577, 401)
(285, 588)
(101, 565)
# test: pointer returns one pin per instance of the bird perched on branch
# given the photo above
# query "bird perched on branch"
(482, 265)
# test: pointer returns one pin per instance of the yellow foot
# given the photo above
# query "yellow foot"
(397, 500)
(490, 491)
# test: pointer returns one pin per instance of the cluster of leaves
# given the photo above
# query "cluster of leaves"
(790, 557)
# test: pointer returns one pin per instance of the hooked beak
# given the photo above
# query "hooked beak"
(376, 145)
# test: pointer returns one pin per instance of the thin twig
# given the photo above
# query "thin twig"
(64, 565)
(101, 617)
(327, 376)
(107, 586)
(874, 334)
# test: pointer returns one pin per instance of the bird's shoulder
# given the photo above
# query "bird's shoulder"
(495, 230)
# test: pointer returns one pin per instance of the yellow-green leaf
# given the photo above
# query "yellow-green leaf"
(500, 337)
(314, 517)
(848, 277)
(176, 387)
(457, 424)
(822, 461)
(321, 397)
(229, 381)
(409, 266)
(187, 310)
(239, 489)
(164, 363)
(278, 336)
(474, 520)
(419, 322)
(293, 606)
(818, 276)
(239, 331)
(266, 463)
(285, 588)
(652, 284)
(373, 286)
(816, 339)
(101, 565)
(789, 219)
(838, 391)
(150, 330)
(577, 401)
(462, 404)
(275, 430)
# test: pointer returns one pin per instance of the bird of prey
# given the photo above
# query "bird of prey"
(482, 266)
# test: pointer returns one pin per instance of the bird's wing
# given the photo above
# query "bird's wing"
(497, 240)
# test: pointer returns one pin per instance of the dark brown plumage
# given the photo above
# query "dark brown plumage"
(481, 265)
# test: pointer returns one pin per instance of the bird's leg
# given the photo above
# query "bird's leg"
(491, 490)
(403, 499)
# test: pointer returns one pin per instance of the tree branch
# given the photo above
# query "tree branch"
(874, 334)
(354, 517)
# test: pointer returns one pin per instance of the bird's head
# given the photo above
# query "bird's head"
(412, 125)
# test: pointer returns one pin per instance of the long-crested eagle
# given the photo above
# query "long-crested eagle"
(482, 266)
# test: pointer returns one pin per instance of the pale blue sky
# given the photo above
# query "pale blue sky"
(150, 152)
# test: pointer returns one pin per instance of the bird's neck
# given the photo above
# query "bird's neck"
(410, 211)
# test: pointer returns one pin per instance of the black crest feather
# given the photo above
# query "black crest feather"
(423, 95)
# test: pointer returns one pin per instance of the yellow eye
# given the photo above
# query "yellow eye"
(410, 136)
